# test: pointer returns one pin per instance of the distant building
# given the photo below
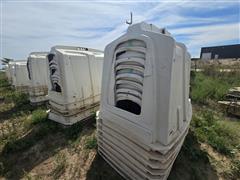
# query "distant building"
(220, 52)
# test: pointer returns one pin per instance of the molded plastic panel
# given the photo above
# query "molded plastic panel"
(37, 73)
(20, 76)
(74, 83)
(145, 107)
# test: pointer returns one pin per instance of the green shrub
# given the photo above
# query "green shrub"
(4, 83)
(222, 135)
(212, 86)
(17, 98)
(3, 80)
(38, 116)
(205, 119)
(204, 88)
(91, 143)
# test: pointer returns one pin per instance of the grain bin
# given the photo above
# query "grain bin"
(145, 108)
(37, 74)
(75, 83)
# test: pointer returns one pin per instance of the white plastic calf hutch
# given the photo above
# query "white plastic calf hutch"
(145, 108)
(10, 71)
(37, 74)
(20, 77)
(75, 83)
(7, 71)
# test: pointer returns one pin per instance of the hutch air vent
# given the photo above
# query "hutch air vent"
(129, 61)
(54, 73)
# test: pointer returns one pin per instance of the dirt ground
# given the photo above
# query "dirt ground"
(46, 150)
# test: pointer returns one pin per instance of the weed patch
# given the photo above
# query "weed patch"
(236, 168)
(205, 88)
(36, 134)
(60, 164)
(91, 143)
(73, 132)
(17, 97)
(39, 116)
(3, 80)
(222, 135)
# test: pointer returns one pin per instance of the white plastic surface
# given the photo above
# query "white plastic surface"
(7, 71)
(20, 76)
(37, 74)
(75, 83)
(11, 67)
(145, 101)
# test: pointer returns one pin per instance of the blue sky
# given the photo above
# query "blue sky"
(28, 26)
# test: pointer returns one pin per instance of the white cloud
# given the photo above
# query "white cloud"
(208, 35)
(37, 26)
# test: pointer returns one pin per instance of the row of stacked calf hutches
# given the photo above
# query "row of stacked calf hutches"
(141, 83)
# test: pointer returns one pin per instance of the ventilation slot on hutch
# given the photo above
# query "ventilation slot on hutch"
(130, 57)
(54, 73)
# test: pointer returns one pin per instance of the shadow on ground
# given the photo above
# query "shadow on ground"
(21, 155)
(43, 141)
(192, 163)
(16, 110)
(100, 170)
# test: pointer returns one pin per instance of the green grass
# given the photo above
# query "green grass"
(60, 164)
(91, 143)
(3, 80)
(17, 98)
(211, 127)
(207, 126)
(73, 132)
(221, 134)
(16, 144)
(215, 87)
(236, 168)
(205, 88)
(9, 94)
(38, 116)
